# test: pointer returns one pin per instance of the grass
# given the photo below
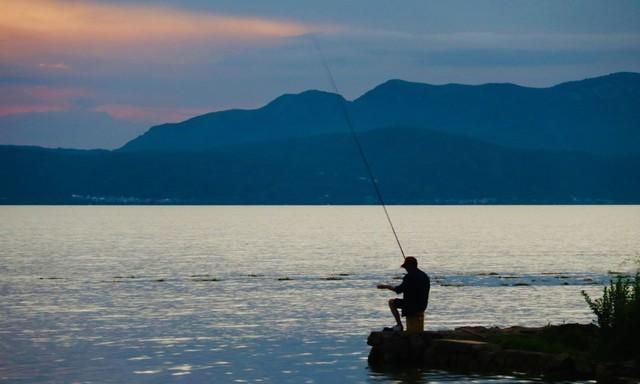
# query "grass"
(618, 318)
(577, 341)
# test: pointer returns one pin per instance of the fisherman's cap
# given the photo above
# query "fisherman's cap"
(409, 261)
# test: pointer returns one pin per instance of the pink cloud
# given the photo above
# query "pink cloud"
(54, 66)
(150, 114)
(27, 108)
(45, 93)
(26, 99)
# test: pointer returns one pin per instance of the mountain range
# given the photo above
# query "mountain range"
(576, 142)
(598, 115)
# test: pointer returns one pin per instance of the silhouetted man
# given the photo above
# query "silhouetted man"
(415, 290)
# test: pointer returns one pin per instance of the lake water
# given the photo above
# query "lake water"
(280, 294)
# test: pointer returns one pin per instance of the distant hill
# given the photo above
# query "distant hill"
(577, 142)
(306, 114)
(598, 116)
(413, 166)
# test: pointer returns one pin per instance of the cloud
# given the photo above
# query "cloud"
(16, 109)
(52, 48)
(54, 67)
(37, 28)
(25, 99)
(149, 114)
(538, 58)
(15, 99)
(68, 129)
(503, 40)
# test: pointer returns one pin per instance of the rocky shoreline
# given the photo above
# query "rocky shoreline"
(559, 352)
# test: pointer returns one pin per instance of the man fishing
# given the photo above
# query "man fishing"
(415, 289)
(415, 284)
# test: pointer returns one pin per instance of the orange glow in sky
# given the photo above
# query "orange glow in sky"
(46, 36)
(35, 27)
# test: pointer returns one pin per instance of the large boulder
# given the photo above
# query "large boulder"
(483, 350)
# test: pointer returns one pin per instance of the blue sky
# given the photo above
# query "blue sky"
(91, 74)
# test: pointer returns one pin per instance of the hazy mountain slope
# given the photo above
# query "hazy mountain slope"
(305, 114)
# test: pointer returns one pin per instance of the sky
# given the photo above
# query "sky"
(95, 74)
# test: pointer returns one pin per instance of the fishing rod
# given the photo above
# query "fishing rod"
(354, 136)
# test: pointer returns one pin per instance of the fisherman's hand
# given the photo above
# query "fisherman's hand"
(383, 286)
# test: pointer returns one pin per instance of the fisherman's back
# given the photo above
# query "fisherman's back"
(415, 288)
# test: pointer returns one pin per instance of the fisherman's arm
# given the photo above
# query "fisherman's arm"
(396, 289)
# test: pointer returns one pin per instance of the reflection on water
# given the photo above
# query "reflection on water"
(279, 294)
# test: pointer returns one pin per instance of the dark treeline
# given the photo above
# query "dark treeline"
(413, 166)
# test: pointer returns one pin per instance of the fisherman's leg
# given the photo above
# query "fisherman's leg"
(394, 310)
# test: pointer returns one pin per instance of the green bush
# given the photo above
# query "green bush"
(618, 317)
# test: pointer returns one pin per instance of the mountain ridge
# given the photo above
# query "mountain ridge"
(426, 144)
(595, 115)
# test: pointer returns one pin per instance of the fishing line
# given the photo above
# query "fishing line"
(354, 136)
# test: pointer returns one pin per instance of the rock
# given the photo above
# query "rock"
(584, 369)
(618, 373)
(375, 339)
(471, 333)
(561, 367)
(460, 355)
(492, 350)
(532, 363)
(398, 348)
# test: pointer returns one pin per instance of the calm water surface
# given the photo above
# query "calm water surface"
(280, 294)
